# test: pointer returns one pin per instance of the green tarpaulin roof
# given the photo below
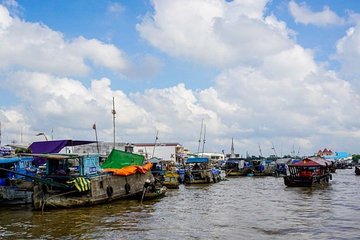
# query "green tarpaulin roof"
(120, 159)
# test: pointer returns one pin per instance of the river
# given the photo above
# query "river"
(240, 208)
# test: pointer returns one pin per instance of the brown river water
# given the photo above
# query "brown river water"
(240, 208)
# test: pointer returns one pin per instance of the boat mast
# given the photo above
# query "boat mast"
(96, 137)
(202, 152)
(156, 138)
(273, 148)
(202, 122)
(232, 148)
(113, 113)
(260, 151)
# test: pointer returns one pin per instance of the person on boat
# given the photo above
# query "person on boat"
(196, 167)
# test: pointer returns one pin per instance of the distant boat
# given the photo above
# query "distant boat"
(73, 180)
(171, 180)
(15, 186)
(237, 167)
(263, 167)
(152, 191)
(198, 170)
(308, 172)
(164, 174)
(357, 170)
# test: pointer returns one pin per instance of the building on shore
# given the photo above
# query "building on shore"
(214, 158)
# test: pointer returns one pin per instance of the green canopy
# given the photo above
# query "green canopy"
(120, 159)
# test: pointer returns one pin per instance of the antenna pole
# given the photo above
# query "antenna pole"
(202, 121)
(203, 141)
(156, 138)
(113, 113)
(273, 148)
(260, 151)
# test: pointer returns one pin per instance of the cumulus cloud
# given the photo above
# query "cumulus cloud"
(303, 14)
(53, 53)
(224, 34)
(348, 53)
(70, 108)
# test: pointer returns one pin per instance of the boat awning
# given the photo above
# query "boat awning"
(311, 162)
(233, 161)
(51, 156)
(9, 160)
(197, 160)
(55, 146)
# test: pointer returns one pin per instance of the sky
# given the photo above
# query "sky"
(277, 75)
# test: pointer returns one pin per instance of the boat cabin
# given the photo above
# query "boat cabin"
(198, 170)
(237, 167)
(308, 172)
(15, 179)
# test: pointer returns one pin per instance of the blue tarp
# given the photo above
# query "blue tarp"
(197, 160)
(9, 160)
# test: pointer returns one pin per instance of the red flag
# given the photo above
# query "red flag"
(94, 126)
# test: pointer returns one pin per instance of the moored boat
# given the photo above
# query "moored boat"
(263, 167)
(308, 172)
(198, 170)
(152, 190)
(15, 184)
(171, 180)
(73, 180)
(237, 167)
(357, 170)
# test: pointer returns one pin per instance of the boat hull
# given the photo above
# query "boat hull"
(104, 188)
(171, 180)
(201, 177)
(306, 181)
(153, 194)
(14, 196)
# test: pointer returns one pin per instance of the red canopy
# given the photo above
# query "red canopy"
(312, 162)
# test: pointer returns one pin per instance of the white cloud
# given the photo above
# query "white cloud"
(66, 104)
(222, 36)
(5, 19)
(115, 8)
(348, 53)
(52, 52)
(303, 14)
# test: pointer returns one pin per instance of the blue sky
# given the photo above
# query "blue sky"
(280, 73)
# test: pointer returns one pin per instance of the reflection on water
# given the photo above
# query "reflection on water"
(240, 208)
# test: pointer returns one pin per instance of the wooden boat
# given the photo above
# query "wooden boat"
(308, 172)
(171, 180)
(152, 190)
(164, 173)
(357, 170)
(237, 167)
(262, 167)
(198, 170)
(73, 180)
(15, 186)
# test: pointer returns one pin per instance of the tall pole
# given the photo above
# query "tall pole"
(202, 122)
(113, 113)
(97, 143)
(202, 154)
(156, 138)
(0, 133)
(232, 148)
